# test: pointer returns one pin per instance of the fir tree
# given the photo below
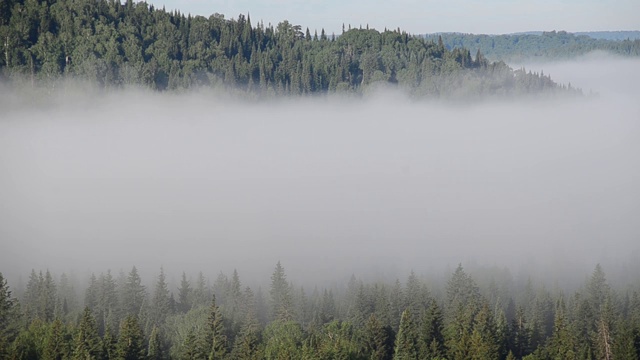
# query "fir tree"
(87, 344)
(215, 338)
(131, 340)
(406, 347)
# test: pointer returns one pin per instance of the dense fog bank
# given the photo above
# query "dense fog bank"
(92, 180)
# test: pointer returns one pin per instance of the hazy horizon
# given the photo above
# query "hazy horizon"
(497, 17)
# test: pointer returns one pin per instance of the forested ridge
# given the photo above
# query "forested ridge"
(113, 45)
(118, 317)
(548, 45)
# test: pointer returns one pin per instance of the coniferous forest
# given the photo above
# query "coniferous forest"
(111, 44)
(115, 316)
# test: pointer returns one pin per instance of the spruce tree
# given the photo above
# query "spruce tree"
(8, 318)
(131, 340)
(406, 346)
(55, 344)
(281, 297)
(562, 344)
(375, 339)
(184, 295)
(87, 344)
(215, 339)
(156, 349)
(133, 294)
(160, 306)
(431, 337)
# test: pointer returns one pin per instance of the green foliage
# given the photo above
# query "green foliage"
(406, 347)
(8, 318)
(131, 340)
(87, 343)
(598, 322)
(549, 45)
(281, 297)
(215, 339)
(113, 45)
(283, 340)
(375, 340)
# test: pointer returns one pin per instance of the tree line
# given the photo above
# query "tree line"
(120, 318)
(112, 44)
(547, 45)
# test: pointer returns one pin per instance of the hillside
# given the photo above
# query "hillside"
(114, 44)
(551, 45)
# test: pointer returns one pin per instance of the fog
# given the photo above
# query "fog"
(96, 180)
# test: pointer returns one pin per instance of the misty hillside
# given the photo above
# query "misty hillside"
(486, 315)
(113, 44)
(548, 45)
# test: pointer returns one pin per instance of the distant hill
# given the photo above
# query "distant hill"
(542, 45)
(611, 35)
(601, 35)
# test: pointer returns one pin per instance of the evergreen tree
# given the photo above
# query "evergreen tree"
(431, 337)
(56, 345)
(109, 344)
(519, 335)
(484, 344)
(8, 318)
(375, 340)
(161, 301)
(562, 344)
(133, 294)
(406, 346)
(215, 338)
(184, 294)
(156, 350)
(281, 297)
(87, 343)
(131, 340)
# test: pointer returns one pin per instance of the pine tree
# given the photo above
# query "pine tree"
(109, 344)
(215, 339)
(406, 346)
(484, 344)
(246, 343)
(131, 340)
(87, 344)
(56, 346)
(160, 305)
(133, 294)
(184, 295)
(156, 350)
(431, 337)
(47, 298)
(8, 318)
(520, 335)
(375, 339)
(281, 299)
(562, 344)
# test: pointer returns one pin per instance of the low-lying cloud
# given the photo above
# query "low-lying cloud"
(198, 182)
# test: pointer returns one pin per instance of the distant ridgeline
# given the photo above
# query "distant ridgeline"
(114, 44)
(542, 45)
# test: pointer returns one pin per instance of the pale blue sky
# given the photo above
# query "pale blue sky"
(426, 16)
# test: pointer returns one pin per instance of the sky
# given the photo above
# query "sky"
(428, 16)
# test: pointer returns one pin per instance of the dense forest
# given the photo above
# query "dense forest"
(548, 45)
(113, 45)
(118, 317)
